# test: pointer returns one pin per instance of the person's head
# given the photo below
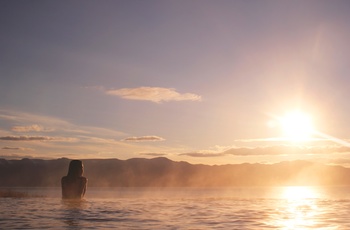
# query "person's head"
(76, 168)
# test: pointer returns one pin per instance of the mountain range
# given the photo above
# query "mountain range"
(162, 172)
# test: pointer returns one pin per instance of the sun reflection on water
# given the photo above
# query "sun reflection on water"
(298, 193)
(300, 208)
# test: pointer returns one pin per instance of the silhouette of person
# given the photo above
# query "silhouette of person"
(74, 184)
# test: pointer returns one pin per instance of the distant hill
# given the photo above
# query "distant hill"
(162, 172)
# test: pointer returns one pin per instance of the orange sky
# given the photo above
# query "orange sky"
(199, 81)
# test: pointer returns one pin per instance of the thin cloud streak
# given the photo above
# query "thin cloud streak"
(30, 128)
(68, 139)
(279, 139)
(154, 154)
(199, 154)
(36, 138)
(17, 148)
(154, 94)
(143, 138)
(24, 118)
(50, 124)
(281, 150)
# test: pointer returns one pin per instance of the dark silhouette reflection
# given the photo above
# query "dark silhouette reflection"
(74, 184)
(73, 213)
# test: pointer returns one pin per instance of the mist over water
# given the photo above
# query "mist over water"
(181, 208)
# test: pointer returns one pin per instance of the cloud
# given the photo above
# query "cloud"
(154, 94)
(144, 138)
(278, 139)
(11, 148)
(277, 150)
(270, 150)
(26, 138)
(154, 154)
(17, 156)
(16, 148)
(36, 138)
(287, 150)
(69, 139)
(55, 124)
(338, 161)
(25, 118)
(200, 154)
(30, 128)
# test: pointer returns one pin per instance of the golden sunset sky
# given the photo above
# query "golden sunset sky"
(201, 81)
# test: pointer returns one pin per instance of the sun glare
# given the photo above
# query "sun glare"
(299, 193)
(301, 207)
(297, 126)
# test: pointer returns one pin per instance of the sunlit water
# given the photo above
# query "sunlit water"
(180, 208)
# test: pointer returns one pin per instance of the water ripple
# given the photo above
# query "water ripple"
(176, 213)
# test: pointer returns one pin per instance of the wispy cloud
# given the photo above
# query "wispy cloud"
(25, 118)
(278, 139)
(36, 138)
(68, 139)
(11, 148)
(143, 138)
(30, 128)
(16, 156)
(200, 154)
(269, 150)
(338, 161)
(154, 154)
(154, 94)
(16, 148)
(277, 150)
(51, 124)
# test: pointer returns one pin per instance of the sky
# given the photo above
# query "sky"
(199, 81)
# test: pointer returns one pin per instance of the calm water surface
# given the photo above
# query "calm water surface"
(137, 208)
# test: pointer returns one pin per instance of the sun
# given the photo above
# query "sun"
(297, 126)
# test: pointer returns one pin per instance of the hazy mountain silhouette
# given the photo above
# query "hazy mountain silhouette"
(162, 172)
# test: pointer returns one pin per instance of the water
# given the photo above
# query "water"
(181, 208)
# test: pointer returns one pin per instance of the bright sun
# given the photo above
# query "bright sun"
(297, 126)
(299, 193)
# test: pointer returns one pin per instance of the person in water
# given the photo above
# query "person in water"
(74, 184)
